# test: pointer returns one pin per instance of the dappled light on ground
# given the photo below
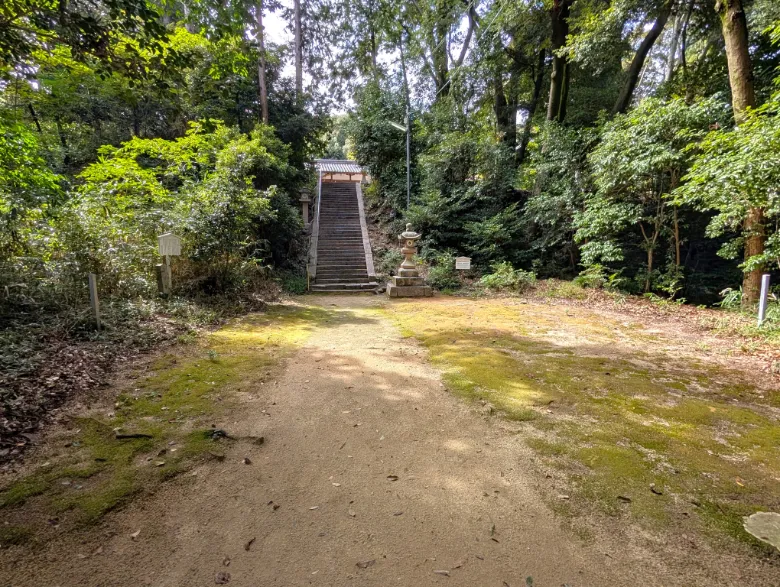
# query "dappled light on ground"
(635, 426)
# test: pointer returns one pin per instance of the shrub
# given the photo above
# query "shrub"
(389, 261)
(505, 276)
(293, 283)
(597, 276)
(442, 274)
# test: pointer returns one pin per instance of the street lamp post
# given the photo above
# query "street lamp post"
(406, 128)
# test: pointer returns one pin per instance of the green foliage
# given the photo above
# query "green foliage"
(378, 145)
(736, 170)
(389, 261)
(639, 161)
(558, 177)
(87, 28)
(442, 273)
(293, 283)
(597, 276)
(29, 190)
(506, 277)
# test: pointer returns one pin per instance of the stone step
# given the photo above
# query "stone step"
(351, 267)
(345, 258)
(356, 275)
(326, 252)
(338, 281)
(339, 242)
(344, 287)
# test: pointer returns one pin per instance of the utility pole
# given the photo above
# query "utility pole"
(408, 123)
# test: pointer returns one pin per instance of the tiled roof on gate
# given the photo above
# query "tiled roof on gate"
(337, 166)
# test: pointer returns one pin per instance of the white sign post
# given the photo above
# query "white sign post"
(763, 300)
(168, 245)
(463, 263)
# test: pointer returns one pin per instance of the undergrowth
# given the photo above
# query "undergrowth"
(159, 426)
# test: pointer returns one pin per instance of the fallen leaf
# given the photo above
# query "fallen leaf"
(249, 544)
(135, 534)
(314, 507)
(392, 477)
(442, 572)
(366, 564)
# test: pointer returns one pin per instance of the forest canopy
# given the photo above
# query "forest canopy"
(627, 144)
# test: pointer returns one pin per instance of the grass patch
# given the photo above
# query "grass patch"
(166, 418)
(640, 433)
(15, 535)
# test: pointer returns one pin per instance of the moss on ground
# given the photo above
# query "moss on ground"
(165, 418)
(639, 431)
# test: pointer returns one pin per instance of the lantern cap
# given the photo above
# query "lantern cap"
(409, 234)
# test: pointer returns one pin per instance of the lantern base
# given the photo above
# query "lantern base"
(402, 272)
(408, 287)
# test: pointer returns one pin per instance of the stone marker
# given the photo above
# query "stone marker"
(305, 199)
(765, 526)
(408, 283)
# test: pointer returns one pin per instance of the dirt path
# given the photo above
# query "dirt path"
(354, 409)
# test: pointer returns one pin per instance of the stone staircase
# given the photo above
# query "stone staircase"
(341, 255)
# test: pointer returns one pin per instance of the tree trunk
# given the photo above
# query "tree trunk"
(440, 61)
(261, 63)
(34, 117)
(500, 107)
(743, 96)
(649, 268)
(298, 54)
(538, 81)
(671, 60)
(559, 80)
(512, 97)
(635, 69)
(676, 239)
(673, 184)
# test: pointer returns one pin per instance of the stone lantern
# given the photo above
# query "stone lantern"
(408, 283)
(305, 199)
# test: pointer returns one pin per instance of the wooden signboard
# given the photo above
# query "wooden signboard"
(169, 244)
(462, 262)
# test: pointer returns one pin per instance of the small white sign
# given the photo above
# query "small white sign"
(462, 262)
(169, 244)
